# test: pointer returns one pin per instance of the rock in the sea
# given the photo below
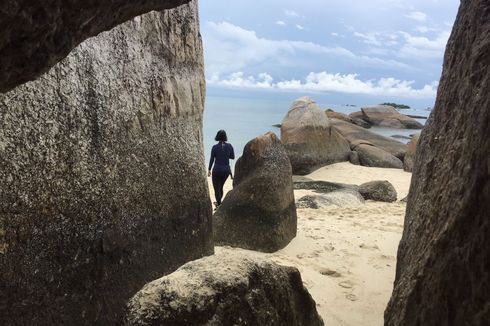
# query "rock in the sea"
(443, 262)
(102, 184)
(308, 138)
(358, 119)
(38, 34)
(409, 160)
(378, 191)
(387, 116)
(357, 135)
(232, 287)
(376, 157)
(339, 198)
(259, 213)
(337, 115)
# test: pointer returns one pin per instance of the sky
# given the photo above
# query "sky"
(352, 51)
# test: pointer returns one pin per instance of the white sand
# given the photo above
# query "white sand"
(347, 256)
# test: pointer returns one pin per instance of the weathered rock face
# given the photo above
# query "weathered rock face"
(356, 135)
(38, 34)
(230, 288)
(378, 191)
(339, 198)
(101, 175)
(373, 156)
(387, 116)
(259, 213)
(409, 159)
(308, 138)
(443, 273)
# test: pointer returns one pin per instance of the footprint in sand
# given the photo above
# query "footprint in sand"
(369, 247)
(351, 297)
(346, 284)
(329, 272)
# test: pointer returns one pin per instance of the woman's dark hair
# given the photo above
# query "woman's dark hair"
(221, 136)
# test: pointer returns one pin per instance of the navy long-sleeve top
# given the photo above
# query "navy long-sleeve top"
(221, 154)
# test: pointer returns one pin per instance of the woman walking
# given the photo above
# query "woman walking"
(221, 153)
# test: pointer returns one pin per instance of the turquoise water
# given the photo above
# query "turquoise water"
(246, 118)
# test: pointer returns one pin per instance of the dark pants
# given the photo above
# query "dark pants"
(219, 179)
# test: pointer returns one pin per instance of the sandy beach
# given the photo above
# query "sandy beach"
(347, 255)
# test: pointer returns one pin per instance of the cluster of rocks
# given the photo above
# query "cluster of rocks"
(342, 195)
(313, 140)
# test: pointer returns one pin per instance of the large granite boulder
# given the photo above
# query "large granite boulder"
(102, 184)
(308, 138)
(232, 287)
(259, 213)
(442, 274)
(378, 191)
(356, 135)
(375, 157)
(38, 34)
(387, 116)
(409, 159)
(320, 185)
(339, 198)
(331, 114)
(358, 119)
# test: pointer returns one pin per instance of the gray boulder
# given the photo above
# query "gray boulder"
(308, 138)
(376, 157)
(378, 191)
(339, 198)
(354, 158)
(229, 288)
(442, 274)
(319, 185)
(259, 213)
(358, 119)
(37, 37)
(102, 184)
(337, 115)
(387, 116)
(409, 160)
(356, 135)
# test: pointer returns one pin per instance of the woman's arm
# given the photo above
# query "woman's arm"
(232, 153)
(211, 161)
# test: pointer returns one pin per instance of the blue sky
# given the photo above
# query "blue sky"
(360, 50)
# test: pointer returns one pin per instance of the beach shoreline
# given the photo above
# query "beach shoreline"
(347, 255)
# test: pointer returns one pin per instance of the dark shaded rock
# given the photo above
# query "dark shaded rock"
(356, 135)
(230, 288)
(443, 259)
(416, 116)
(401, 137)
(339, 198)
(358, 119)
(321, 186)
(404, 200)
(102, 184)
(277, 125)
(376, 157)
(409, 159)
(387, 116)
(378, 191)
(309, 140)
(259, 213)
(38, 34)
(354, 158)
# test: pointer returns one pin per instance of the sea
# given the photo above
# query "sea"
(246, 118)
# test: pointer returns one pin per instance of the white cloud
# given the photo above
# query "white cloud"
(230, 48)
(280, 23)
(334, 34)
(291, 13)
(300, 27)
(327, 82)
(421, 47)
(417, 15)
(369, 38)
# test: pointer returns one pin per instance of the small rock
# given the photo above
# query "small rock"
(378, 191)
